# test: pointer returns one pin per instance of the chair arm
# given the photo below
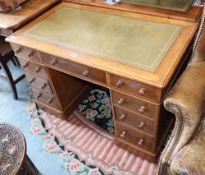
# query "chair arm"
(190, 160)
(186, 100)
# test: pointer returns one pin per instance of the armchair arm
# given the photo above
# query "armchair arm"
(191, 158)
(186, 100)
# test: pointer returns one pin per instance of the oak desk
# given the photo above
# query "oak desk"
(135, 56)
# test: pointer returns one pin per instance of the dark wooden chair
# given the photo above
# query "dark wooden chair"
(6, 55)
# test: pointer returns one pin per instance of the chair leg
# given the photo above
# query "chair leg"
(16, 60)
(10, 78)
(13, 61)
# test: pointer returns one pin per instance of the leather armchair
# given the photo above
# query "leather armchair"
(184, 153)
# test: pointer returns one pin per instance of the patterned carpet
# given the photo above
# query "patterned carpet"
(85, 148)
(96, 107)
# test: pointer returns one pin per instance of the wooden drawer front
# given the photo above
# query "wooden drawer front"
(81, 70)
(136, 105)
(25, 52)
(135, 121)
(33, 68)
(39, 83)
(44, 98)
(134, 87)
(132, 136)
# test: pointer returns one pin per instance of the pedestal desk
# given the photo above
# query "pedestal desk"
(135, 56)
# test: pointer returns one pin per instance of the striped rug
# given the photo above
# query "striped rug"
(93, 146)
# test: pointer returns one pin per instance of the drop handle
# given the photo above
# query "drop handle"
(37, 96)
(53, 62)
(30, 54)
(123, 134)
(140, 142)
(120, 101)
(38, 69)
(122, 117)
(142, 109)
(86, 72)
(141, 91)
(49, 101)
(119, 83)
(18, 50)
(25, 65)
(141, 125)
(32, 80)
(43, 86)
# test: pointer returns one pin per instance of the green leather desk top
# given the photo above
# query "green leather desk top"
(177, 5)
(136, 43)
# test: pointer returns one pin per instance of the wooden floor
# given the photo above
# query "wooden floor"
(13, 111)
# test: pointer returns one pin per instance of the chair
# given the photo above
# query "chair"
(6, 54)
(184, 153)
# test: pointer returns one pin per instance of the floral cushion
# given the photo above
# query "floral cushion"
(7, 5)
(97, 108)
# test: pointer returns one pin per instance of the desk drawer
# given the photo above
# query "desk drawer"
(132, 136)
(135, 121)
(70, 67)
(39, 83)
(33, 68)
(135, 104)
(135, 88)
(25, 52)
(44, 98)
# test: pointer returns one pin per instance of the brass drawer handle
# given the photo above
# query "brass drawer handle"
(43, 86)
(141, 125)
(120, 101)
(32, 80)
(30, 54)
(25, 65)
(37, 70)
(18, 50)
(119, 83)
(142, 109)
(122, 117)
(53, 62)
(123, 134)
(142, 91)
(49, 101)
(140, 142)
(37, 96)
(86, 72)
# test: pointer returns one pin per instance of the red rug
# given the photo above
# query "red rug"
(85, 148)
